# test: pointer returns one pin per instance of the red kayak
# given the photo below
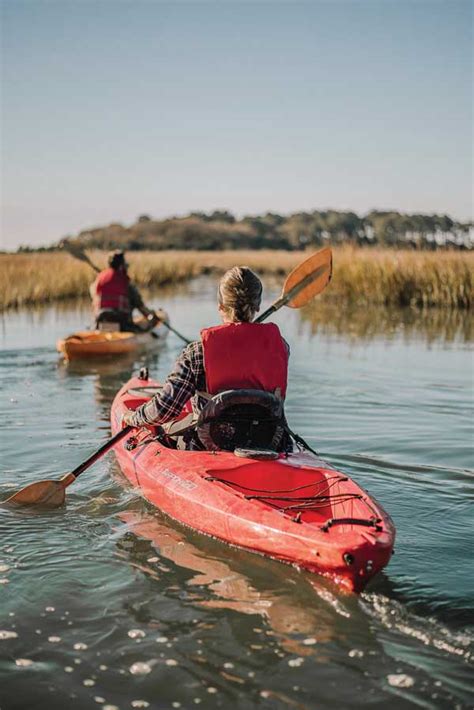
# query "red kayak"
(295, 508)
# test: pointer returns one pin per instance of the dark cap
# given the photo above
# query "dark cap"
(116, 259)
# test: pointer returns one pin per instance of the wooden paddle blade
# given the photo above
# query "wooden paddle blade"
(48, 494)
(319, 264)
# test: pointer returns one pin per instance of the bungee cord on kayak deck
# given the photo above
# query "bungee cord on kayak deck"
(303, 504)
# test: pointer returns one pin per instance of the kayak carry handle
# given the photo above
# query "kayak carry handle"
(370, 523)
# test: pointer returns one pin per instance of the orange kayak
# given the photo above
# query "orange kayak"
(97, 343)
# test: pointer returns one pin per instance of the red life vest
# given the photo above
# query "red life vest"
(112, 290)
(245, 356)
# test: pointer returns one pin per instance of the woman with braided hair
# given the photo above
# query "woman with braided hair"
(236, 355)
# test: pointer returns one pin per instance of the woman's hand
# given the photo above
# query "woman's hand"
(161, 315)
(128, 418)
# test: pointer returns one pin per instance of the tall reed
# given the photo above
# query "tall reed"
(366, 276)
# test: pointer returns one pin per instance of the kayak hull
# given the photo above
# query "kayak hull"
(98, 344)
(278, 508)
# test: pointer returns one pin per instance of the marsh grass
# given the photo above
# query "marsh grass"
(361, 276)
(404, 278)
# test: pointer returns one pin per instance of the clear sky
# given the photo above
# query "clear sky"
(114, 108)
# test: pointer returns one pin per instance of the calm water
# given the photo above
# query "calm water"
(108, 604)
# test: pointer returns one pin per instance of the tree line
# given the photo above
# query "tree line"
(221, 230)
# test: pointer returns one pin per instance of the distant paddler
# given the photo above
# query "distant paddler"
(115, 297)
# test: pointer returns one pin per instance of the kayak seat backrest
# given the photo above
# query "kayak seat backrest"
(120, 319)
(108, 326)
(242, 419)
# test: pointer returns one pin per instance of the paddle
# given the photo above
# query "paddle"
(304, 283)
(173, 330)
(78, 253)
(51, 493)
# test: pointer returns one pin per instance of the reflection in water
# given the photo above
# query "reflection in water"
(303, 613)
(108, 375)
(366, 323)
(288, 615)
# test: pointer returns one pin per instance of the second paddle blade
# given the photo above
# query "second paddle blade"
(322, 258)
(47, 494)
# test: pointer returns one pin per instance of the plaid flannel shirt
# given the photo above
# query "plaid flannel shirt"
(187, 378)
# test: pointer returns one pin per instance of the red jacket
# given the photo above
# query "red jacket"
(112, 290)
(245, 356)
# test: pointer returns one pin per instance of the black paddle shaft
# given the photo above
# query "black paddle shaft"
(173, 330)
(100, 452)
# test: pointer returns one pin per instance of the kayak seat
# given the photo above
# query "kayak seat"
(108, 319)
(237, 419)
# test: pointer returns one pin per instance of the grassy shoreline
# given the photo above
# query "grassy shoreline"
(361, 276)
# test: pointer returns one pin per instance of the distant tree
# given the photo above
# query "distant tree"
(222, 216)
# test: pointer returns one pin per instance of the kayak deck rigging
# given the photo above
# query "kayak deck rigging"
(308, 508)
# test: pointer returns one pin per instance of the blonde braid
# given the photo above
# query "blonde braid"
(240, 293)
